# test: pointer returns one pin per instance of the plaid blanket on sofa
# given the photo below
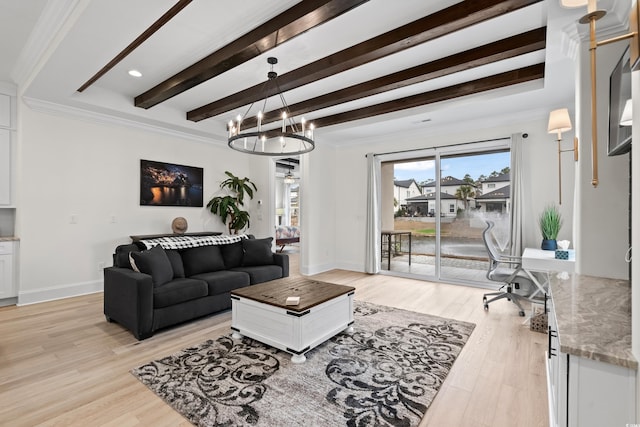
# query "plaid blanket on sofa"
(184, 242)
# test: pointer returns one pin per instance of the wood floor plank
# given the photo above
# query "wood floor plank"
(62, 364)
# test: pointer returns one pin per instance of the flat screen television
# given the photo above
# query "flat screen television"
(619, 93)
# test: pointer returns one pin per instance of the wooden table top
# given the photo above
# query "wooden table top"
(276, 292)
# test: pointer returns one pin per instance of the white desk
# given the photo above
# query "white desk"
(545, 261)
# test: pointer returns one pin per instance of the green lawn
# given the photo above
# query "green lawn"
(427, 231)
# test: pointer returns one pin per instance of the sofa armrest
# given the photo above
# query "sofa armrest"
(128, 300)
(283, 261)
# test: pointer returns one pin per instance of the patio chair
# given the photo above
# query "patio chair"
(507, 270)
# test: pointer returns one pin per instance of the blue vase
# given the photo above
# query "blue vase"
(549, 244)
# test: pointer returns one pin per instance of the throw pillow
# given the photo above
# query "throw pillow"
(176, 263)
(203, 259)
(232, 254)
(257, 252)
(155, 263)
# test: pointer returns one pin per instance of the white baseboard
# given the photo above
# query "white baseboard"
(59, 292)
(350, 266)
(316, 269)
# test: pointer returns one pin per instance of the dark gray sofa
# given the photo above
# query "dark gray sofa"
(176, 285)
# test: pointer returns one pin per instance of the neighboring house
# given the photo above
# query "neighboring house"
(496, 194)
(449, 185)
(425, 205)
(403, 190)
(495, 182)
(495, 201)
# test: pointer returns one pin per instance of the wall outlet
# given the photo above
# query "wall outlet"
(73, 219)
(100, 266)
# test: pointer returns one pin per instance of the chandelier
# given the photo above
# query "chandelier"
(288, 139)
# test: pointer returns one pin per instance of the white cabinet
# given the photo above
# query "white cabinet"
(584, 392)
(5, 167)
(7, 285)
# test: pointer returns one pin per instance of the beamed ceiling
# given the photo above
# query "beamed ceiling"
(357, 69)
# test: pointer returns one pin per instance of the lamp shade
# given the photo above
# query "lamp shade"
(559, 121)
(627, 114)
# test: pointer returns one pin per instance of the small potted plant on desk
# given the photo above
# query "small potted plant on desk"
(550, 222)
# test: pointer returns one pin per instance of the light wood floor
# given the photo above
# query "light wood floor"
(62, 364)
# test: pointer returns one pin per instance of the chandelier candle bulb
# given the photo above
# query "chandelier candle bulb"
(302, 121)
(284, 122)
(259, 120)
(239, 118)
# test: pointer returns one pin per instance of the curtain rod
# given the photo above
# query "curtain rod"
(442, 146)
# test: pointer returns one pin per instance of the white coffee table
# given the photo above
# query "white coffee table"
(260, 312)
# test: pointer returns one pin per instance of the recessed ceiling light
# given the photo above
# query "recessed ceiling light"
(135, 73)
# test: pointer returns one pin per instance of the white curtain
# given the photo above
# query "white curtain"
(372, 240)
(515, 219)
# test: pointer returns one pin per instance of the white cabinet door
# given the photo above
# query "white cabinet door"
(5, 167)
(6, 271)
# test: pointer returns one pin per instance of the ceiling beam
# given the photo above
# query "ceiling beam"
(510, 47)
(137, 42)
(445, 21)
(521, 75)
(292, 22)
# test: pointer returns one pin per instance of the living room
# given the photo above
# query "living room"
(75, 197)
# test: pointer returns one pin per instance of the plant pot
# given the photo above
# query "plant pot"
(549, 244)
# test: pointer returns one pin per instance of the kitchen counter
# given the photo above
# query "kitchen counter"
(593, 316)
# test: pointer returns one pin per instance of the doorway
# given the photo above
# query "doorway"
(287, 204)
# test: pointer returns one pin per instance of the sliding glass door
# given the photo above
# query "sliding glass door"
(440, 203)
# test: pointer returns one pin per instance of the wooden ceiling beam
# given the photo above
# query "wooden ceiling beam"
(448, 20)
(509, 78)
(510, 47)
(289, 24)
(166, 17)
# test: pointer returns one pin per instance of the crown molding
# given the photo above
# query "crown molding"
(55, 16)
(108, 119)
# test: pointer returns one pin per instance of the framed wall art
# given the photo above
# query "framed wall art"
(168, 184)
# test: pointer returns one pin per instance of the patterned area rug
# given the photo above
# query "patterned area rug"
(386, 373)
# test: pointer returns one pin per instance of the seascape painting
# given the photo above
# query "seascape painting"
(167, 184)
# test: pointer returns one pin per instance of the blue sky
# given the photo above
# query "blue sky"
(458, 167)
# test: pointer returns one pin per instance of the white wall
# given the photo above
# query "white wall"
(601, 212)
(321, 182)
(539, 177)
(68, 166)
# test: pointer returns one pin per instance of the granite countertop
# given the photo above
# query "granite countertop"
(593, 315)
(9, 239)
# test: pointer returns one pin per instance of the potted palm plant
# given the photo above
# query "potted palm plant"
(550, 222)
(228, 206)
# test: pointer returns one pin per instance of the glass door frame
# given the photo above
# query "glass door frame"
(435, 154)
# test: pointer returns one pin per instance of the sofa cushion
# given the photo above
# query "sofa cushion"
(155, 263)
(223, 281)
(178, 291)
(203, 259)
(121, 255)
(257, 252)
(176, 263)
(262, 273)
(232, 254)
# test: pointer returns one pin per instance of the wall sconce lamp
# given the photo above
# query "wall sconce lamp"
(559, 122)
(593, 14)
